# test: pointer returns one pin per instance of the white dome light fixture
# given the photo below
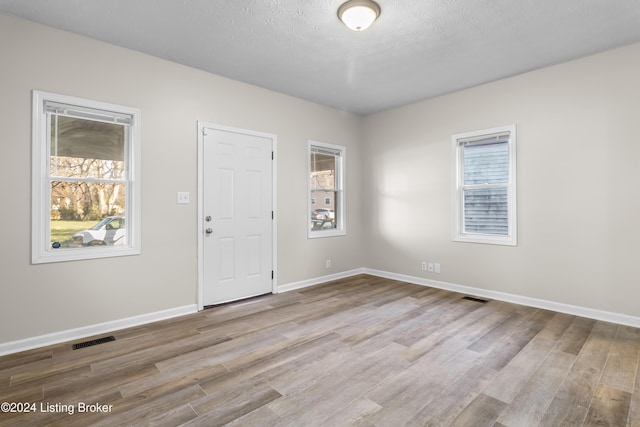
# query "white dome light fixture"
(358, 15)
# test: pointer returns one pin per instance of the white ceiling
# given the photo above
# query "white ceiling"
(417, 49)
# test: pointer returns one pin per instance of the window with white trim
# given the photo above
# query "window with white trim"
(326, 184)
(485, 186)
(85, 179)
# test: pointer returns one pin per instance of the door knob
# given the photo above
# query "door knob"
(209, 230)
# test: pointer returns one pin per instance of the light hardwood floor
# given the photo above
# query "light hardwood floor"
(362, 351)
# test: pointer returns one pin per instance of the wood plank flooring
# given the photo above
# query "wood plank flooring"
(362, 351)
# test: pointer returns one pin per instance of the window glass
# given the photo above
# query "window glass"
(486, 211)
(77, 208)
(83, 148)
(486, 163)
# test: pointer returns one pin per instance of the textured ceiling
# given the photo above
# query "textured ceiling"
(417, 49)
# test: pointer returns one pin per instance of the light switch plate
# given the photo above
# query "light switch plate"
(183, 197)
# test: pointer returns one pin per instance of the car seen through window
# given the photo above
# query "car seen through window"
(108, 232)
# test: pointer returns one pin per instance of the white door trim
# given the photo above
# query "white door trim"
(202, 126)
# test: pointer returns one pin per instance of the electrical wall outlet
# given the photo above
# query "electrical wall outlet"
(436, 267)
(424, 266)
(430, 267)
(328, 263)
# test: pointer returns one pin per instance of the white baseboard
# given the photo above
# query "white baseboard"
(318, 280)
(99, 328)
(591, 313)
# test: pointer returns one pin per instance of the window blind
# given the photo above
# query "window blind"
(326, 150)
(56, 108)
(485, 139)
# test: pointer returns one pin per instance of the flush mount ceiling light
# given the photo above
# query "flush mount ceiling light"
(359, 14)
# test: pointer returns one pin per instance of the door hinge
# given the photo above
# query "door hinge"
(272, 215)
(271, 274)
(272, 156)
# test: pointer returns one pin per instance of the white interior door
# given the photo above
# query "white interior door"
(237, 215)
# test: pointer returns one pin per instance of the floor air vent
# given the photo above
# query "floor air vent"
(480, 300)
(94, 342)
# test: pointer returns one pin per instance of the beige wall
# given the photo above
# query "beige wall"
(578, 194)
(42, 299)
(578, 184)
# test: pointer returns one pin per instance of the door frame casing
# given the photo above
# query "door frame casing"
(202, 126)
